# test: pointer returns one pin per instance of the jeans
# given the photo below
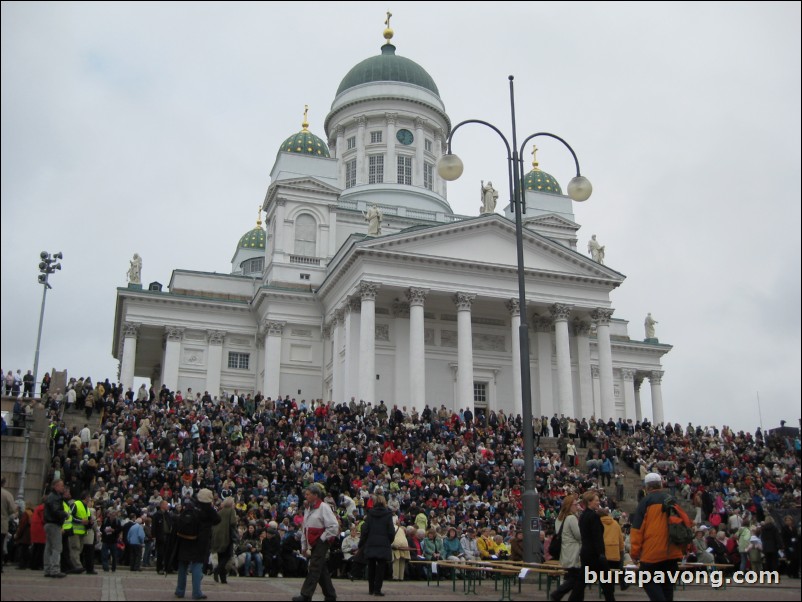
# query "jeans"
(196, 568)
(109, 549)
(657, 591)
(52, 549)
(257, 558)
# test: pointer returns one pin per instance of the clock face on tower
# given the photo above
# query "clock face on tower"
(405, 136)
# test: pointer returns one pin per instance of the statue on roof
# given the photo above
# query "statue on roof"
(489, 198)
(374, 218)
(596, 250)
(648, 325)
(135, 270)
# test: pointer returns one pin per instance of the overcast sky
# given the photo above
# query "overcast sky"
(152, 128)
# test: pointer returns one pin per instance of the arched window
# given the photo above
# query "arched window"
(305, 236)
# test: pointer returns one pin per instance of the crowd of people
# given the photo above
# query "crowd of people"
(452, 480)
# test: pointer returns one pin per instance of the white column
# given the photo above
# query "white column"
(361, 162)
(339, 149)
(513, 306)
(565, 390)
(417, 351)
(602, 318)
(336, 360)
(367, 342)
(464, 399)
(214, 361)
(439, 183)
(417, 168)
(327, 333)
(390, 169)
(350, 349)
(628, 376)
(401, 380)
(273, 330)
(332, 248)
(582, 332)
(594, 373)
(543, 327)
(278, 244)
(128, 365)
(655, 378)
(172, 356)
(637, 383)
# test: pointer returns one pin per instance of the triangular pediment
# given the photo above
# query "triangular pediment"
(552, 220)
(489, 242)
(306, 184)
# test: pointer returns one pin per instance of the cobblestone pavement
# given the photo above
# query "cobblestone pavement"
(147, 585)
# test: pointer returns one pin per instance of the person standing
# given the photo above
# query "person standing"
(110, 531)
(8, 508)
(319, 528)
(84, 531)
(790, 535)
(400, 550)
(772, 543)
(162, 527)
(376, 543)
(567, 528)
(135, 539)
(649, 540)
(192, 553)
(593, 553)
(613, 542)
(38, 538)
(55, 515)
(222, 544)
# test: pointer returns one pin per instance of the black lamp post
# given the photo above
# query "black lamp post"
(450, 168)
(47, 266)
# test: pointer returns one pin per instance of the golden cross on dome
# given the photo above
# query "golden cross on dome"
(387, 20)
(535, 164)
(305, 124)
(388, 33)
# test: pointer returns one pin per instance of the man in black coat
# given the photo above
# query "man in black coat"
(592, 554)
(192, 553)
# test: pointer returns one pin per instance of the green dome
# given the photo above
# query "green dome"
(254, 239)
(305, 143)
(540, 181)
(388, 67)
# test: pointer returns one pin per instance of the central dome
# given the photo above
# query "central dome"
(388, 67)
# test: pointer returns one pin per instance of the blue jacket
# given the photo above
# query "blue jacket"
(136, 535)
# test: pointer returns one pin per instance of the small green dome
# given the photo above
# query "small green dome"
(540, 181)
(254, 239)
(388, 67)
(305, 143)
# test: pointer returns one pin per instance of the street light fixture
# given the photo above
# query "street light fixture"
(47, 266)
(450, 167)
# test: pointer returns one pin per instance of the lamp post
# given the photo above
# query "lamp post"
(29, 418)
(47, 266)
(450, 167)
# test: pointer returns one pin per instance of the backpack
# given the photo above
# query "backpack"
(556, 545)
(188, 522)
(680, 532)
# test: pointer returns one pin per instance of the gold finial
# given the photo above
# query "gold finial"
(259, 217)
(305, 124)
(388, 33)
(535, 164)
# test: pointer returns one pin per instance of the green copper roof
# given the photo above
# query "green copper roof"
(255, 239)
(540, 181)
(388, 67)
(305, 143)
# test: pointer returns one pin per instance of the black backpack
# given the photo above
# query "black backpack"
(556, 545)
(187, 525)
(679, 531)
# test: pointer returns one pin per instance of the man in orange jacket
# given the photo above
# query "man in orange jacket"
(649, 540)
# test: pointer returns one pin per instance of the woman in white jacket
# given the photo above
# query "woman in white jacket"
(569, 551)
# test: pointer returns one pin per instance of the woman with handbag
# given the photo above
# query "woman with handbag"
(570, 544)
(224, 534)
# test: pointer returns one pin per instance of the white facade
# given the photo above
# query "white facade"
(426, 312)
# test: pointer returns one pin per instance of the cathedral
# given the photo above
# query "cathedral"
(362, 282)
